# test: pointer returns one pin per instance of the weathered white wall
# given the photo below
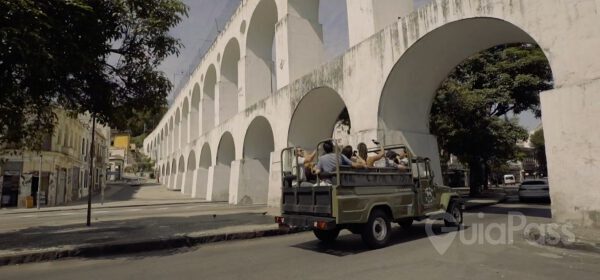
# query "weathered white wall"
(387, 81)
(367, 17)
(572, 147)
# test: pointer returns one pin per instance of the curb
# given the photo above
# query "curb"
(563, 242)
(116, 248)
(481, 205)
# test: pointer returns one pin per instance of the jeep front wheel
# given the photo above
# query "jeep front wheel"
(376, 233)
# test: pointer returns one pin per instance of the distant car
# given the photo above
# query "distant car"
(534, 189)
(509, 179)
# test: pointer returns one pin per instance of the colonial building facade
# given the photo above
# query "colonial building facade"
(63, 162)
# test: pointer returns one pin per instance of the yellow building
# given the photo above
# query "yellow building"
(121, 141)
(119, 154)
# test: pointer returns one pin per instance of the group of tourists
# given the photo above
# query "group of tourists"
(359, 158)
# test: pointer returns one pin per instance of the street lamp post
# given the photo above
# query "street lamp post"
(89, 210)
(39, 181)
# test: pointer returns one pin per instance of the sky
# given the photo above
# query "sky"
(206, 17)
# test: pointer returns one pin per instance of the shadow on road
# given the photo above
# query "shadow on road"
(37, 238)
(529, 210)
(351, 244)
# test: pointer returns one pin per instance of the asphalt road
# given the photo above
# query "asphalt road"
(300, 256)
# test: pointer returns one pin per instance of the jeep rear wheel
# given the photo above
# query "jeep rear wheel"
(326, 236)
(376, 233)
(454, 215)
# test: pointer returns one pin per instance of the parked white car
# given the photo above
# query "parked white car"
(509, 179)
(537, 189)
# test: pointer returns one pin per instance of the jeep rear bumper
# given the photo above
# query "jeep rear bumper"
(304, 221)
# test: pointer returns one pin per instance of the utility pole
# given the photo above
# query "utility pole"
(89, 210)
(39, 181)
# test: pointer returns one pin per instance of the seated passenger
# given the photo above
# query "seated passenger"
(369, 160)
(306, 164)
(399, 161)
(328, 162)
(351, 154)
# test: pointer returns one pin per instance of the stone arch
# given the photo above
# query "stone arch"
(180, 173)
(208, 99)
(185, 112)
(219, 190)
(170, 139)
(410, 88)
(195, 113)
(173, 175)
(315, 117)
(167, 175)
(188, 182)
(253, 186)
(201, 186)
(228, 85)
(177, 128)
(260, 71)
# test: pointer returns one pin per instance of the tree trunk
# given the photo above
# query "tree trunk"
(475, 177)
(486, 174)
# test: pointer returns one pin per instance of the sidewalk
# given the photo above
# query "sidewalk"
(210, 223)
(119, 195)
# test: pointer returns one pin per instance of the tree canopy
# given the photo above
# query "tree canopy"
(471, 113)
(86, 56)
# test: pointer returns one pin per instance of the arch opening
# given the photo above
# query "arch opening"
(333, 16)
(188, 183)
(260, 50)
(180, 173)
(315, 118)
(177, 130)
(222, 169)
(253, 187)
(167, 175)
(171, 137)
(205, 162)
(195, 123)
(228, 85)
(185, 112)
(208, 99)
(173, 175)
(407, 97)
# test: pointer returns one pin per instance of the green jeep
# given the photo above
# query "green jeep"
(364, 200)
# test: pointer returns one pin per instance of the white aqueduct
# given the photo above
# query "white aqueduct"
(222, 136)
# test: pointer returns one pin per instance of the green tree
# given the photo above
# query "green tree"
(86, 56)
(471, 111)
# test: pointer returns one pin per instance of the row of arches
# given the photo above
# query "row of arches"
(206, 111)
(194, 173)
(215, 96)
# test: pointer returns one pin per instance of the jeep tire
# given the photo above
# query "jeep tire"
(376, 233)
(454, 215)
(326, 236)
